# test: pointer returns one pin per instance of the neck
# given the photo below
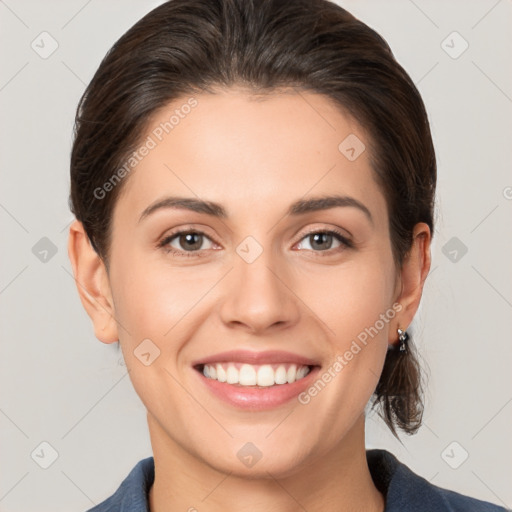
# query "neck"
(336, 481)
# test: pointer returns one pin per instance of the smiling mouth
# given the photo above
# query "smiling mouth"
(249, 375)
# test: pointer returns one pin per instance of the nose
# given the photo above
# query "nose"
(259, 297)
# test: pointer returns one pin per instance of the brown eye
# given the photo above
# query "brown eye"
(320, 241)
(190, 241)
(184, 242)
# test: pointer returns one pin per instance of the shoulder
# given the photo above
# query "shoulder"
(132, 494)
(405, 490)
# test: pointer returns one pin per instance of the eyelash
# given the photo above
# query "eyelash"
(163, 244)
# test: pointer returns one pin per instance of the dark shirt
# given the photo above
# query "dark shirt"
(404, 490)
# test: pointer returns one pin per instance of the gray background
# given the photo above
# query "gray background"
(61, 386)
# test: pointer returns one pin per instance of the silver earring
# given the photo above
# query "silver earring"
(402, 338)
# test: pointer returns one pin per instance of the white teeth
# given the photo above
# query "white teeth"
(301, 372)
(221, 374)
(280, 376)
(248, 375)
(232, 375)
(207, 370)
(266, 375)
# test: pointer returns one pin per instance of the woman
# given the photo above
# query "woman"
(218, 147)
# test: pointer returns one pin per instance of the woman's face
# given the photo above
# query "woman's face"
(262, 282)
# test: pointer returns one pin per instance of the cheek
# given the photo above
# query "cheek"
(355, 305)
(153, 298)
(358, 345)
(350, 297)
(154, 304)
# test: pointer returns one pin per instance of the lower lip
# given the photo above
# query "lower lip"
(258, 398)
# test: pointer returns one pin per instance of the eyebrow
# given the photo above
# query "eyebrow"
(299, 207)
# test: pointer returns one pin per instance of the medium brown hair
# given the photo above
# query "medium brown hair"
(184, 47)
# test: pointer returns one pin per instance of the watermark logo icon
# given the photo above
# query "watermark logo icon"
(454, 249)
(249, 249)
(351, 147)
(146, 352)
(44, 455)
(454, 455)
(249, 454)
(44, 45)
(454, 45)
(44, 250)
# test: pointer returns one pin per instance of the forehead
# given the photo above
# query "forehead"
(250, 152)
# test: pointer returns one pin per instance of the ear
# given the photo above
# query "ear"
(93, 283)
(414, 271)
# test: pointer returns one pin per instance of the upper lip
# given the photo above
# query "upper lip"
(256, 358)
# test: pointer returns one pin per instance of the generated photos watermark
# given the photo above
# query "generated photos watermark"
(151, 142)
(342, 360)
